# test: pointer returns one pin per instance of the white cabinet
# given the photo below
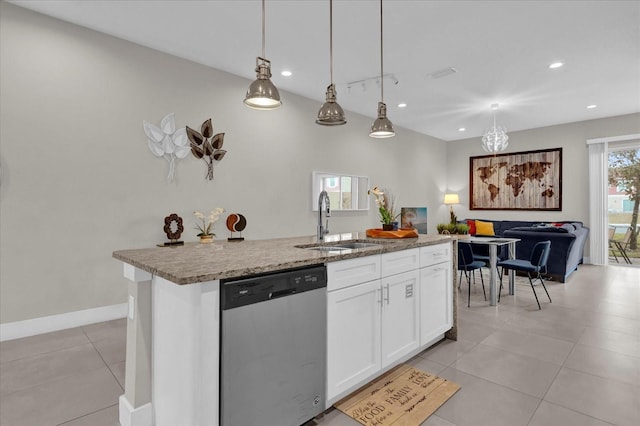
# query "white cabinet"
(436, 292)
(371, 322)
(436, 304)
(381, 310)
(400, 316)
(353, 335)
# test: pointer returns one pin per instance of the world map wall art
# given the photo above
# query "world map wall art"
(529, 180)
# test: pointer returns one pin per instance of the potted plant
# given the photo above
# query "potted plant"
(386, 208)
(453, 228)
(206, 228)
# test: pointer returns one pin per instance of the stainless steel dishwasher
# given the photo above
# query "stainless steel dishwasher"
(273, 348)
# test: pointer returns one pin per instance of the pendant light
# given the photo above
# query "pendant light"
(382, 127)
(495, 139)
(331, 114)
(262, 94)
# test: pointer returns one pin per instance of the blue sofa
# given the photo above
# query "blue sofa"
(567, 243)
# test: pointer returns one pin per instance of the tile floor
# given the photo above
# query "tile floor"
(575, 362)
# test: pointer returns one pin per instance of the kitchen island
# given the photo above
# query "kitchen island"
(173, 340)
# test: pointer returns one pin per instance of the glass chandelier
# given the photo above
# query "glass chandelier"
(495, 139)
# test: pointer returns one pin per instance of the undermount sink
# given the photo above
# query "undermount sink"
(340, 246)
(356, 245)
(326, 248)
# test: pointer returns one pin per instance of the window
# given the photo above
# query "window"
(346, 192)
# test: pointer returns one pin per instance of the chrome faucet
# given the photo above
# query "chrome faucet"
(322, 230)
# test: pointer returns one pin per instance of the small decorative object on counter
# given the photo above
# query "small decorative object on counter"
(173, 228)
(167, 142)
(206, 229)
(206, 145)
(236, 223)
(386, 207)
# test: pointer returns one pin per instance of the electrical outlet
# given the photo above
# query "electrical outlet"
(132, 307)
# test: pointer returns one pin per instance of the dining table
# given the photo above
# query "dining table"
(494, 243)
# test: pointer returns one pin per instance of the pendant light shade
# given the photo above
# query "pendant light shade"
(262, 94)
(382, 127)
(331, 114)
(495, 139)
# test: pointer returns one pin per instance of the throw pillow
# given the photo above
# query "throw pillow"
(472, 226)
(484, 228)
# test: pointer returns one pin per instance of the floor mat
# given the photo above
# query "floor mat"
(404, 396)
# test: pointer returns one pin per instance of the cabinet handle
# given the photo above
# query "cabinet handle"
(387, 298)
(379, 293)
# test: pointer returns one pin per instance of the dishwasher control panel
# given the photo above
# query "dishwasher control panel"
(246, 291)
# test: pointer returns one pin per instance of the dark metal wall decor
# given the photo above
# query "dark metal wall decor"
(206, 145)
(236, 223)
(528, 180)
(174, 228)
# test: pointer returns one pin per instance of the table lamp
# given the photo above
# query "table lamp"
(452, 199)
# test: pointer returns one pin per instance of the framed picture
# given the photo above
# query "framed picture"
(528, 180)
(414, 217)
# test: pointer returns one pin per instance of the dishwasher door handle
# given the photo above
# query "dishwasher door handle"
(281, 293)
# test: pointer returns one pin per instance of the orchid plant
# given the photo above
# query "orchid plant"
(208, 222)
(386, 205)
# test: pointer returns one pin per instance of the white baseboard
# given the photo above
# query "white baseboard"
(31, 327)
(129, 416)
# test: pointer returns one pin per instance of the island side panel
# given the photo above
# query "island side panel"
(186, 338)
(135, 408)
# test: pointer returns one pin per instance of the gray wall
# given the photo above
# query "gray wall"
(570, 137)
(79, 182)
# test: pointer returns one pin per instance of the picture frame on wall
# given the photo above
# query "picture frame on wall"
(415, 218)
(527, 180)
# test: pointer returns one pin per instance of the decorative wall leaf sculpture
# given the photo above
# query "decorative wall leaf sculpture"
(167, 142)
(206, 145)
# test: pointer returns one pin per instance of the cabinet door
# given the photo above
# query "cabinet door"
(353, 336)
(400, 316)
(436, 300)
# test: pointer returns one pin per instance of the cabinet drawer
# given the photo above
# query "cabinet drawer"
(346, 273)
(399, 261)
(430, 255)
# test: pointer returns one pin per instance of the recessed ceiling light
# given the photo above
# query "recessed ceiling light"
(592, 106)
(286, 73)
(461, 129)
(402, 105)
(556, 65)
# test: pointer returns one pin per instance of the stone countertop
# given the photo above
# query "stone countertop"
(195, 262)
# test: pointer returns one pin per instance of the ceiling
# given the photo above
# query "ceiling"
(500, 49)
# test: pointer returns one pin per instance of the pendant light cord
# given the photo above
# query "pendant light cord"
(381, 58)
(331, 39)
(263, 29)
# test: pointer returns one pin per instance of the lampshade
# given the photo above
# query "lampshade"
(382, 126)
(262, 94)
(451, 199)
(331, 114)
